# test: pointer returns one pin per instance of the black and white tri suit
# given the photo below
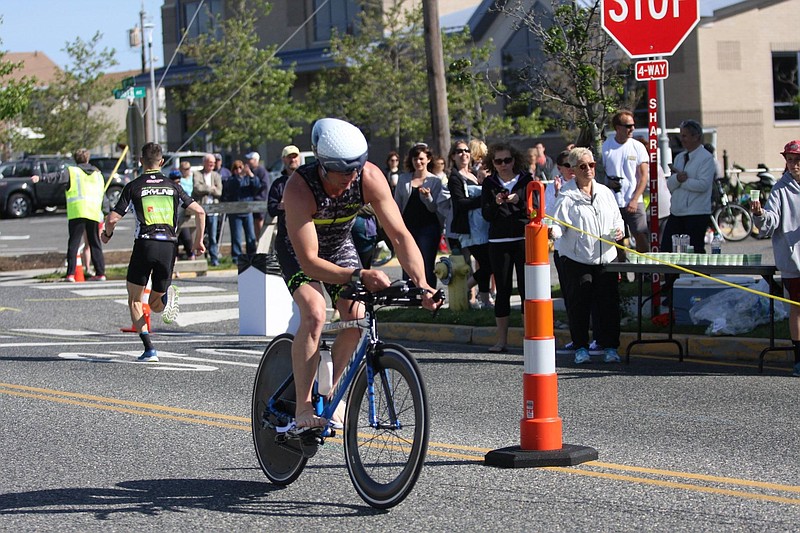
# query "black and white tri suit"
(333, 221)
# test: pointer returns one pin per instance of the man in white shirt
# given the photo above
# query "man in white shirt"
(691, 184)
(626, 163)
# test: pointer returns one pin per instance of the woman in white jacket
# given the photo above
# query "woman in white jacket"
(589, 210)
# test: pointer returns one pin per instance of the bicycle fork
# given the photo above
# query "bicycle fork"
(393, 424)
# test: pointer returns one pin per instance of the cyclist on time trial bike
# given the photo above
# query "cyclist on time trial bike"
(321, 201)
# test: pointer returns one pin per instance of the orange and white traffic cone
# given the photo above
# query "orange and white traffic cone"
(540, 427)
(145, 312)
(79, 268)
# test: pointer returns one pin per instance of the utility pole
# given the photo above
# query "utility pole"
(437, 86)
(153, 107)
(141, 39)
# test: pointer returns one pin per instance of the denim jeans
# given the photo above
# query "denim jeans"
(212, 224)
(239, 222)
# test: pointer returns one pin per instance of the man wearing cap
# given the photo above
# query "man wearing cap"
(225, 174)
(222, 171)
(690, 185)
(291, 160)
(254, 168)
(779, 218)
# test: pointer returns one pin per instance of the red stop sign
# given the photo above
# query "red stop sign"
(645, 28)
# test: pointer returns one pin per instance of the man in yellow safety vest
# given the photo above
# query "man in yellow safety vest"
(85, 194)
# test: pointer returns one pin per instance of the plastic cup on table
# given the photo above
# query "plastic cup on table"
(701, 259)
(713, 259)
(754, 259)
(685, 240)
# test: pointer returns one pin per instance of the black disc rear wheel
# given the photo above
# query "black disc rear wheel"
(282, 461)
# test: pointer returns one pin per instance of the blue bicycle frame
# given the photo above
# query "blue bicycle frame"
(325, 408)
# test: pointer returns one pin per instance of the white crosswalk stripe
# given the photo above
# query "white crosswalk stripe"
(205, 304)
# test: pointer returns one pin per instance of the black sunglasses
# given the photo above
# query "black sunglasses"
(460, 151)
(506, 161)
(629, 126)
(587, 166)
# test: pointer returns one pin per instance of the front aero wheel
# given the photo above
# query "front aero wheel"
(384, 458)
(281, 460)
(733, 222)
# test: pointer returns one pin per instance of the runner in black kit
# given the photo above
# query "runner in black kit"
(321, 201)
(154, 199)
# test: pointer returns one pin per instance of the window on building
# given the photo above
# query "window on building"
(339, 14)
(205, 22)
(786, 85)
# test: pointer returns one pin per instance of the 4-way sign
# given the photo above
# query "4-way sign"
(652, 70)
(648, 28)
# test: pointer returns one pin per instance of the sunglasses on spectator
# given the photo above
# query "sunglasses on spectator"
(460, 151)
(629, 126)
(506, 161)
(587, 166)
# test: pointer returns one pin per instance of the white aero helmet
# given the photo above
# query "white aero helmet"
(338, 145)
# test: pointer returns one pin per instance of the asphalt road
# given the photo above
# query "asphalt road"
(95, 441)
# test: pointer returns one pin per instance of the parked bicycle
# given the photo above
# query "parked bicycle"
(765, 181)
(386, 424)
(728, 217)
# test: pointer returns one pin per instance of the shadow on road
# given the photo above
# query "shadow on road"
(159, 496)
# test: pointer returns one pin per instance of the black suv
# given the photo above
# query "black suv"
(19, 196)
(125, 173)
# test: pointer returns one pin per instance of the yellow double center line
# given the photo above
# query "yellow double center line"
(727, 486)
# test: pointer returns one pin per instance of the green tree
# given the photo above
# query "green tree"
(14, 100)
(241, 97)
(70, 113)
(14, 94)
(579, 75)
(381, 80)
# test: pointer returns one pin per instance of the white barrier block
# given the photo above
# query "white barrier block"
(265, 305)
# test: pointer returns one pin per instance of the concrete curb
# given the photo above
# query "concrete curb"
(726, 349)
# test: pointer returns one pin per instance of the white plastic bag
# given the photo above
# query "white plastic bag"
(735, 311)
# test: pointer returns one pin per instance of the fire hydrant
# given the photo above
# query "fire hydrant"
(454, 272)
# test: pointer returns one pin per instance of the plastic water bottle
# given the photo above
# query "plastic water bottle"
(716, 244)
(325, 371)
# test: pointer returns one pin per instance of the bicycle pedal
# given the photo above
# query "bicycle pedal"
(309, 444)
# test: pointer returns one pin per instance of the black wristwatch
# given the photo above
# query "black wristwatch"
(355, 277)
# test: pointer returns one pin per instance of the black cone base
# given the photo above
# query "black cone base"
(515, 457)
